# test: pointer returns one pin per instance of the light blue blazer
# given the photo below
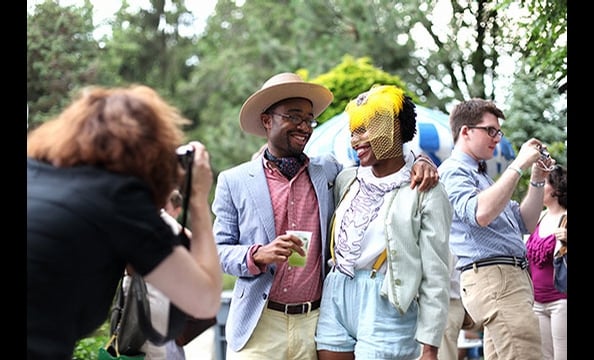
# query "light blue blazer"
(244, 216)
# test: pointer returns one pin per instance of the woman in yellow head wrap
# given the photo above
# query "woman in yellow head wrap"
(388, 289)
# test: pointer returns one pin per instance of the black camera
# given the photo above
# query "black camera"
(185, 155)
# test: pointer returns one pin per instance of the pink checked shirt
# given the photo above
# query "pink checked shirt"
(295, 208)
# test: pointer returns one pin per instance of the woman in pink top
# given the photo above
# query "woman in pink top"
(550, 305)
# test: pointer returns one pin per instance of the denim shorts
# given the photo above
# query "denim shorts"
(354, 317)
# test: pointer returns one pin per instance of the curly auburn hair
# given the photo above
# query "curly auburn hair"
(127, 130)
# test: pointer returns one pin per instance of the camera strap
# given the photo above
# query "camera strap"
(186, 192)
(177, 318)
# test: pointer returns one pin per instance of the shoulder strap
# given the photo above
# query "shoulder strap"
(138, 293)
(542, 214)
(186, 191)
(563, 221)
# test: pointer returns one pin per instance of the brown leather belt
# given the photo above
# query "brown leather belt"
(292, 309)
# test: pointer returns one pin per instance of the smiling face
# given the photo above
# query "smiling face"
(284, 137)
(360, 143)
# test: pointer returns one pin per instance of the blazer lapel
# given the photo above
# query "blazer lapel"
(258, 194)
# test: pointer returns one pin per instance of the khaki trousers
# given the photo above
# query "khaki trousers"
(501, 298)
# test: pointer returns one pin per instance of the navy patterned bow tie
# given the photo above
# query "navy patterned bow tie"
(482, 166)
(288, 166)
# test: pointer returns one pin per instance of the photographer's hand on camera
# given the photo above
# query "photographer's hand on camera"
(533, 153)
(541, 169)
(202, 177)
(202, 245)
(542, 165)
(529, 153)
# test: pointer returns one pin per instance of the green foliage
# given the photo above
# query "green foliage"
(536, 110)
(62, 56)
(558, 151)
(227, 140)
(458, 57)
(209, 76)
(146, 47)
(87, 348)
(543, 38)
(350, 78)
(221, 132)
(228, 281)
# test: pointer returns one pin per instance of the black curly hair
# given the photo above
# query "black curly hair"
(408, 120)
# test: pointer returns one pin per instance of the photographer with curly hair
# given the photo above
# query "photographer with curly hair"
(97, 177)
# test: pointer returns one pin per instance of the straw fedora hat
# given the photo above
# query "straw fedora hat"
(279, 87)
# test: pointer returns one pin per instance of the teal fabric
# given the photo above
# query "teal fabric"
(104, 354)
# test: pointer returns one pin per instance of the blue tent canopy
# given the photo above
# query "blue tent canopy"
(433, 138)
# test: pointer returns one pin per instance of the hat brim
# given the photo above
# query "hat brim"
(257, 103)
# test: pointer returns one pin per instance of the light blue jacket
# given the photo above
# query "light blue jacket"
(417, 228)
(243, 217)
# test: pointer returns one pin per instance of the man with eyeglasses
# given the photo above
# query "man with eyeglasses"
(488, 227)
(274, 308)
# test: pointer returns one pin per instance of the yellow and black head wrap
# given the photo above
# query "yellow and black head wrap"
(377, 112)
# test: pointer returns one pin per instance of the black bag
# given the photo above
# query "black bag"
(130, 320)
(123, 324)
(110, 352)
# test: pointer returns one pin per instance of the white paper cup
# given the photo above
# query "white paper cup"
(295, 259)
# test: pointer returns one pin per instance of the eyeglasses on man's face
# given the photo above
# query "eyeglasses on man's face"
(296, 119)
(491, 131)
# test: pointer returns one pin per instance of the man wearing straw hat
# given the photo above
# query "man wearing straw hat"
(274, 308)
